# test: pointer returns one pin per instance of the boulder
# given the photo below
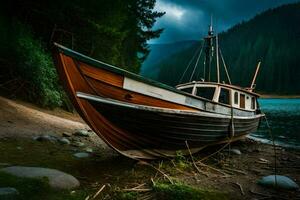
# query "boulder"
(8, 193)
(283, 182)
(57, 179)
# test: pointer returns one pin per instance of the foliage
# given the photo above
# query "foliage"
(181, 191)
(36, 67)
(36, 189)
(271, 37)
(125, 195)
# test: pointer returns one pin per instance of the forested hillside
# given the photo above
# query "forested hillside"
(114, 32)
(272, 37)
(159, 52)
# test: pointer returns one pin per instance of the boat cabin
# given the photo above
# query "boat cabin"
(228, 95)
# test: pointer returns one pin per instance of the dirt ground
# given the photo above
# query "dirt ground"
(224, 171)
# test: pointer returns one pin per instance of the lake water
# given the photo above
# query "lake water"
(284, 118)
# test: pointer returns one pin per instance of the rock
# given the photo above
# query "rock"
(262, 161)
(234, 151)
(83, 133)
(57, 179)
(81, 155)
(5, 164)
(89, 150)
(283, 182)
(64, 141)
(19, 148)
(78, 144)
(8, 193)
(66, 134)
(45, 138)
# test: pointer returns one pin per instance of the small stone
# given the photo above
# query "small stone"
(19, 148)
(234, 151)
(81, 155)
(262, 161)
(64, 141)
(45, 138)
(8, 193)
(89, 150)
(57, 179)
(66, 134)
(5, 164)
(282, 182)
(78, 144)
(83, 133)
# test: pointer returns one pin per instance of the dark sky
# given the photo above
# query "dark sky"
(189, 19)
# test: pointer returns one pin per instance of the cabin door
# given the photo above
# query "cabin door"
(242, 101)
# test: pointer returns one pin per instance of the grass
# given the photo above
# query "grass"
(177, 191)
(180, 191)
(36, 189)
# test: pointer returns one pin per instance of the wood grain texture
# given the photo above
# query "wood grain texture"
(102, 75)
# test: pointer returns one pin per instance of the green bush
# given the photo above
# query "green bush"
(35, 67)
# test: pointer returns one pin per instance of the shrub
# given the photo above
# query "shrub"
(36, 69)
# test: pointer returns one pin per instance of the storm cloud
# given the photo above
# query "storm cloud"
(189, 19)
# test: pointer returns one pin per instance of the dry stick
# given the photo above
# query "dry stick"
(137, 190)
(87, 198)
(152, 181)
(212, 168)
(213, 153)
(200, 171)
(235, 170)
(139, 186)
(240, 186)
(164, 174)
(100, 190)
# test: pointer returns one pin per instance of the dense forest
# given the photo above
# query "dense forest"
(272, 37)
(114, 32)
(159, 52)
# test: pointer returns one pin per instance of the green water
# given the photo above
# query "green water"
(284, 118)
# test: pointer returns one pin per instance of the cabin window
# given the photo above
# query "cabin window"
(224, 96)
(236, 98)
(206, 92)
(242, 101)
(187, 90)
(253, 103)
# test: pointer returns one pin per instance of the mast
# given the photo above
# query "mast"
(217, 57)
(208, 51)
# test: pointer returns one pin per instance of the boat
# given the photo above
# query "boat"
(144, 119)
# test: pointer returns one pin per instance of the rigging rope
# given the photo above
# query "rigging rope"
(225, 67)
(197, 62)
(274, 147)
(188, 66)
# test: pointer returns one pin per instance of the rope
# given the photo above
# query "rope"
(225, 67)
(188, 66)
(274, 147)
(197, 62)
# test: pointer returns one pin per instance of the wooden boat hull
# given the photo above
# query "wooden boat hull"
(140, 119)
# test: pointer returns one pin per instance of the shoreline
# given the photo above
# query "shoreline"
(275, 96)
